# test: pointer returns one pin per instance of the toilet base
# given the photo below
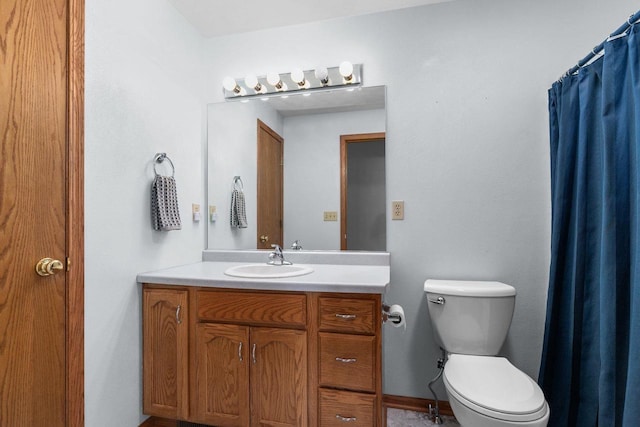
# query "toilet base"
(469, 418)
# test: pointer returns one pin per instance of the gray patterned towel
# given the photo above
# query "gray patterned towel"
(238, 210)
(165, 214)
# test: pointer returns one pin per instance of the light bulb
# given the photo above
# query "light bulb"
(297, 75)
(346, 70)
(322, 74)
(274, 80)
(252, 82)
(229, 83)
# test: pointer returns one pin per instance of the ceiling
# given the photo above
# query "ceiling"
(214, 18)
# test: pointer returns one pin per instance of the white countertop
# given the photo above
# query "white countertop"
(355, 278)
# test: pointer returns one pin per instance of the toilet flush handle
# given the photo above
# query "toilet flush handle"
(439, 300)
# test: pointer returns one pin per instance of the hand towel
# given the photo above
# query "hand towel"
(165, 214)
(238, 210)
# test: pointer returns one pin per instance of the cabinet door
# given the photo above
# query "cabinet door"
(222, 371)
(165, 349)
(278, 377)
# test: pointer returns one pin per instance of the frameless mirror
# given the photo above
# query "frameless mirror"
(311, 169)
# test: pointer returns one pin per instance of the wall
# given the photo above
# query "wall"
(312, 173)
(467, 144)
(142, 97)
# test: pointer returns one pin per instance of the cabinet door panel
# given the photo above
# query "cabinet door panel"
(278, 377)
(166, 391)
(222, 391)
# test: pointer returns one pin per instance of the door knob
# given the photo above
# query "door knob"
(48, 266)
(264, 238)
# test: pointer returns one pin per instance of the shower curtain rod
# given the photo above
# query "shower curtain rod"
(633, 19)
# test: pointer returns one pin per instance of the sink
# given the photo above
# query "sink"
(267, 271)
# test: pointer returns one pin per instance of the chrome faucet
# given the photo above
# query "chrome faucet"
(277, 257)
(296, 246)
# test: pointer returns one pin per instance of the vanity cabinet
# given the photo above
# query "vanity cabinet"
(350, 353)
(165, 352)
(255, 358)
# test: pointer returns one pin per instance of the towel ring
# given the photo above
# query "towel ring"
(237, 183)
(159, 158)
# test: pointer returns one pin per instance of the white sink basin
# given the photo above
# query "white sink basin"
(267, 271)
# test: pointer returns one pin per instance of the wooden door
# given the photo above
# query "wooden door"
(278, 377)
(270, 187)
(41, 343)
(165, 353)
(222, 371)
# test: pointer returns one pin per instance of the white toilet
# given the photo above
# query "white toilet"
(470, 321)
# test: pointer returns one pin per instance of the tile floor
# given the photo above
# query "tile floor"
(402, 418)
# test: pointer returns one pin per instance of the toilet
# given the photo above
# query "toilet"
(470, 322)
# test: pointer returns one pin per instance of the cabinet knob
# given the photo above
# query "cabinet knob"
(264, 238)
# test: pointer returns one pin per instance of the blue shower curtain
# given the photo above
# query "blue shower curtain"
(590, 369)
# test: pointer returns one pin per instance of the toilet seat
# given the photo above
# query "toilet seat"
(494, 387)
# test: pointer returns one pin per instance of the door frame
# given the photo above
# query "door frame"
(344, 140)
(74, 296)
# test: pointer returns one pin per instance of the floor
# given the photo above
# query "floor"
(402, 418)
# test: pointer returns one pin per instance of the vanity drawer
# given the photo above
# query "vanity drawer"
(256, 308)
(347, 315)
(339, 407)
(347, 361)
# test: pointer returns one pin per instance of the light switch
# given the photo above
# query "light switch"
(195, 210)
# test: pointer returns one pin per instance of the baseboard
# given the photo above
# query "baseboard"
(159, 422)
(414, 404)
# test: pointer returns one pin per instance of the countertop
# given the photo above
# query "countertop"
(343, 277)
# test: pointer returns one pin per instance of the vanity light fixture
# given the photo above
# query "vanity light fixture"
(346, 71)
(274, 80)
(230, 84)
(297, 75)
(347, 76)
(322, 74)
(252, 82)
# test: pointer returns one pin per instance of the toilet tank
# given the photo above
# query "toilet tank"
(470, 317)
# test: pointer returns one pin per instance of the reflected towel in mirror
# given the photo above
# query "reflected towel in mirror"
(238, 210)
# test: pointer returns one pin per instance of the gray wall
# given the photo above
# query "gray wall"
(467, 149)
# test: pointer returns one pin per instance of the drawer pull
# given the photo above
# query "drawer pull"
(178, 310)
(240, 351)
(253, 354)
(345, 419)
(346, 316)
(346, 360)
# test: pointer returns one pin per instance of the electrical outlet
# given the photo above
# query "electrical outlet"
(330, 215)
(397, 209)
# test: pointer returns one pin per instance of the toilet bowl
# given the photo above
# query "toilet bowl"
(470, 321)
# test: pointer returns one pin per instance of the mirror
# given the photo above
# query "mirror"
(319, 204)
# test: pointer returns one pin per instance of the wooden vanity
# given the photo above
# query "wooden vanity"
(225, 356)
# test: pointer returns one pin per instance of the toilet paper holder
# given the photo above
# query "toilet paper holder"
(387, 315)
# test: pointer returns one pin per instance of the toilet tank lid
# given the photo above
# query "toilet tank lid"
(469, 288)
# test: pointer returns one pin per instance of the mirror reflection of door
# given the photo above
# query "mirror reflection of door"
(270, 183)
(362, 187)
